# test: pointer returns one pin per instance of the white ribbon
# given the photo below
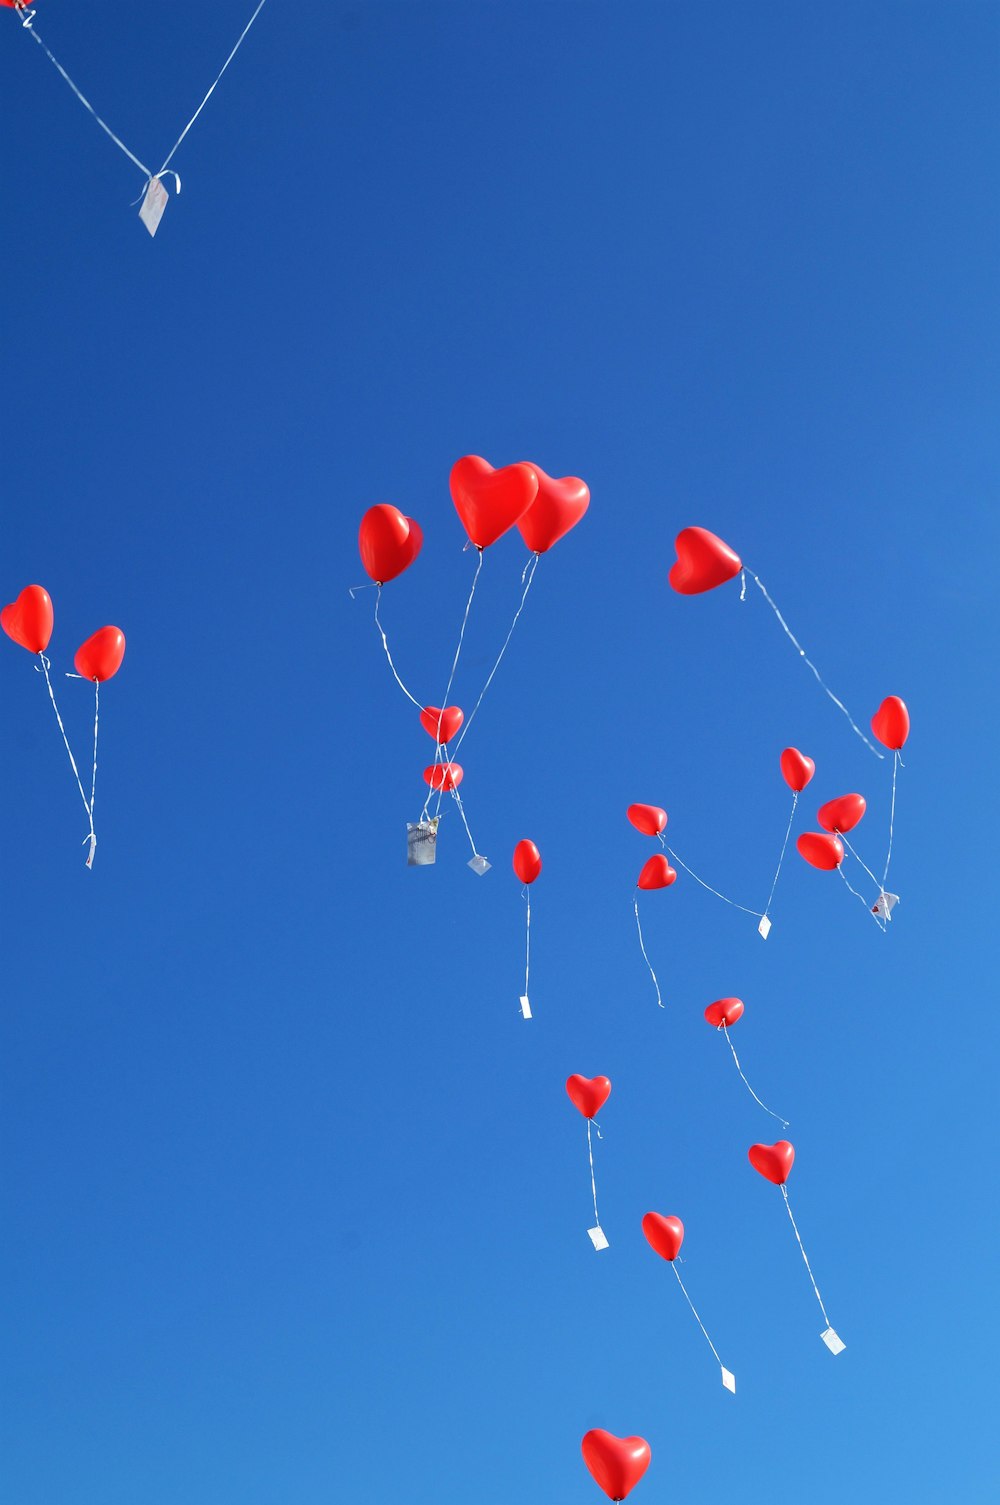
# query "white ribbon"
(593, 1183)
(91, 836)
(788, 1206)
(784, 845)
(642, 948)
(687, 1298)
(753, 1094)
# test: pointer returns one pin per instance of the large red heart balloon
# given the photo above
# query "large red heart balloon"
(388, 542)
(490, 501)
(100, 657)
(664, 1234)
(441, 724)
(527, 861)
(649, 819)
(444, 775)
(774, 1161)
(656, 873)
(724, 1011)
(616, 1463)
(822, 851)
(589, 1094)
(796, 769)
(559, 506)
(703, 562)
(28, 620)
(841, 814)
(891, 723)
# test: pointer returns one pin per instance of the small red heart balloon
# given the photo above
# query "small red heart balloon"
(773, 1161)
(822, 851)
(388, 542)
(559, 506)
(649, 819)
(28, 620)
(444, 775)
(703, 562)
(490, 501)
(656, 873)
(891, 723)
(589, 1094)
(616, 1463)
(527, 861)
(441, 724)
(796, 769)
(841, 814)
(100, 657)
(724, 1011)
(664, 1234)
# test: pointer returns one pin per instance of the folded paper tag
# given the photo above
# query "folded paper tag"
(764, 927)
(479, 864)
(729, 1380)
(525, 1006)
(153, 205)
(597, 1237)
(421, 843)
(832, 1342)
(885, 904)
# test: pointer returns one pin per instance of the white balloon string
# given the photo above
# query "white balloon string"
(461, 810)
(454, 663)
(527, 939)
(788, 1206)
(532, 567)
(755, 912)
(802, 654)
(642, 948)
(72, 761)
(860, 861)
(385, 644)
(880, 923)
(753, 1094)
(687, 1298)
(93, 781)
(892, 818)
(593, 1183)
(211, 91)
(784, 846)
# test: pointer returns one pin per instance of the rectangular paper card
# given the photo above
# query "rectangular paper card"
(832, 1342)
(421, 843)
(885, 904)
(729, 1380)
(525, 1006)
(764, 927)
(597, 1238)
(479, 864)
(153, 205)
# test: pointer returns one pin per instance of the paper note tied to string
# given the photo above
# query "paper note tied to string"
(598, 1237)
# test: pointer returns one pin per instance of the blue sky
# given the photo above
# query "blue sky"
(295, 1202)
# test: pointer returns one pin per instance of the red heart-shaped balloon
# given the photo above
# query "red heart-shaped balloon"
(589, 1094)
(28, 620)
(444, 775)
(891, 723)
(822, 851)
(388, 542)
(841, 814)
(796, 769)
(490, 501)
(664, 1234)
(527, 861)
(100, 657)
(703, 562)
(649, 819)
(656, 873)
(724, 1011)
(773, 1161)
(559, 506)
(616, 1463)
(441, 724)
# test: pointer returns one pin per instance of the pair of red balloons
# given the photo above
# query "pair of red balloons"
(489, 502)
(29, 620)
(527, 861)
(615, 1463)
(837, 817)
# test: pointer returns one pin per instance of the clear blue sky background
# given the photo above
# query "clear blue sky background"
(295, 1202)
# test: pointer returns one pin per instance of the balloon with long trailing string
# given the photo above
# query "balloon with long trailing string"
(656, 872)
(722, 1015)
(588, 1095)
(796, 770)
(891, 725)
(665, 1234)
(527, 864)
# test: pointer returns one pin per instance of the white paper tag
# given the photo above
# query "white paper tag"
(479, 864)
(153, 205)
(764, 928)
(597, 1237)
(728, 1380)
(833, 1343)
(525, 1006)
(885, 904)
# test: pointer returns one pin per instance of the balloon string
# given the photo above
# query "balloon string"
(638, 926)
(784, 845)
(385, 644)
(93, 781)
(802, 654)
(527, 939)
(753, 1094)
(788, 1206)
(879, 922)
(531, 568)
(755, 912)
(593, 1183)
(461, 810)
(91, 837)
(211, 91)
(454, 663)
(673, 1266)
(892, 817)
